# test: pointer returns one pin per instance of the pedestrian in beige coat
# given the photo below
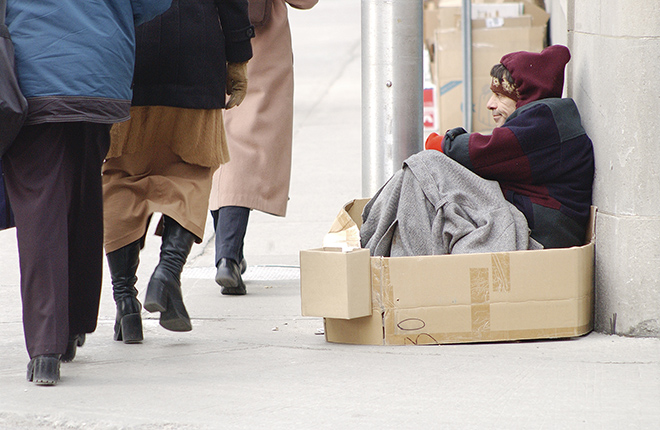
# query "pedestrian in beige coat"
(259, 137)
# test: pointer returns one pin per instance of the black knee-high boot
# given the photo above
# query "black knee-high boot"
(123, 265)
(164, 289)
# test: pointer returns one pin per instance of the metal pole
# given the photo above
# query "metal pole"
(392, 85)
(466, 26)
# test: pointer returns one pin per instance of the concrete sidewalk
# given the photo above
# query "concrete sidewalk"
(253, 362)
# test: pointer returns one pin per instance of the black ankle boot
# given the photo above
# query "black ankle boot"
(75, 340)
(44, 369)
(123, 265)
(164, 289)
(228, 276)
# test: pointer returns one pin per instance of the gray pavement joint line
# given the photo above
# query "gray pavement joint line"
(254, 273)
(617, 363)
(151, 317)
(167, 357)
(241, 346)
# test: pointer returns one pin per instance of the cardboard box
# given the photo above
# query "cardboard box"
(334, 283)
(441, 299)
(493, 36)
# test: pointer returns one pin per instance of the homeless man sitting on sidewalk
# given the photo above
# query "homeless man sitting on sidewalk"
(527, 185)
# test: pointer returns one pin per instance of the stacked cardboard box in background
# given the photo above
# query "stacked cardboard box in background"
(497, 29)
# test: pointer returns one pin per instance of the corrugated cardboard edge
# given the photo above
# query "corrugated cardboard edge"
(367, 330)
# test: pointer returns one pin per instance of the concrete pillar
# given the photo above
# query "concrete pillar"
(614, 77)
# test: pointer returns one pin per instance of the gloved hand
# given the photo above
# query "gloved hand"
(236, 83)
(434, 141)
(451, 134)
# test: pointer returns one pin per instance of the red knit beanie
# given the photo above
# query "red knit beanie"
(537, 76)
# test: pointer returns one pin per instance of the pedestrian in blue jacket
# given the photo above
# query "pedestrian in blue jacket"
(74, 62)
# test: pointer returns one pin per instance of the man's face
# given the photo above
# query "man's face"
(501, 107)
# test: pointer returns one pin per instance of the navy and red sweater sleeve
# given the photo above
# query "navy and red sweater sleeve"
(498, 156)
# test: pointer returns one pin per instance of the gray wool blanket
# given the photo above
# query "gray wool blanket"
(433, 206)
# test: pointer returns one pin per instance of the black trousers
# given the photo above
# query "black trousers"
(230, 224)
(53, 179)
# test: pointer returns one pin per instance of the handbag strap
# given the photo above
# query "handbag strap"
(3, 11)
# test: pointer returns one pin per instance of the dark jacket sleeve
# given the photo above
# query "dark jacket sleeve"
(498, 156)
(237, 29)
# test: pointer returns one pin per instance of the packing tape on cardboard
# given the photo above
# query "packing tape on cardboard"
(382, 286)
(377, 282)
(482, 279)
(480, 300)
(501, 270)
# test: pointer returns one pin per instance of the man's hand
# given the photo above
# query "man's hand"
(236, 83)
(451, 134)
(434, 141)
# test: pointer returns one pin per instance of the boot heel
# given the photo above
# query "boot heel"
(123, 264)
(131, 328)
(44, 369)
(156, 297)
(176, 318)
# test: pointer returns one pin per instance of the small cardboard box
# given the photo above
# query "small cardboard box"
(334, 283)
(441, 299)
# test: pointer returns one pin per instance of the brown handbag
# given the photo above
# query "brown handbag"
(259, 11)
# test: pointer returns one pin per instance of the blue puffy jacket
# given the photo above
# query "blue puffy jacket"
(75, 59)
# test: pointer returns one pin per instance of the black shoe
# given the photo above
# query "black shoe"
(75, 340)
(164, 289)
(243, 265)
(44, 369)
(229, 278)
(123, 264)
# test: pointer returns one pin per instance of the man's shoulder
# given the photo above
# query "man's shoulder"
(554, 104)
(563, 112)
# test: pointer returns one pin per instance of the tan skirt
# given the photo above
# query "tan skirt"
(151, 169)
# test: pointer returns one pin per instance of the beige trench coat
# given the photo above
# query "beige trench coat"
(260, 130)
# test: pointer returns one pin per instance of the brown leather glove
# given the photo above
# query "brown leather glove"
(236, 83)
